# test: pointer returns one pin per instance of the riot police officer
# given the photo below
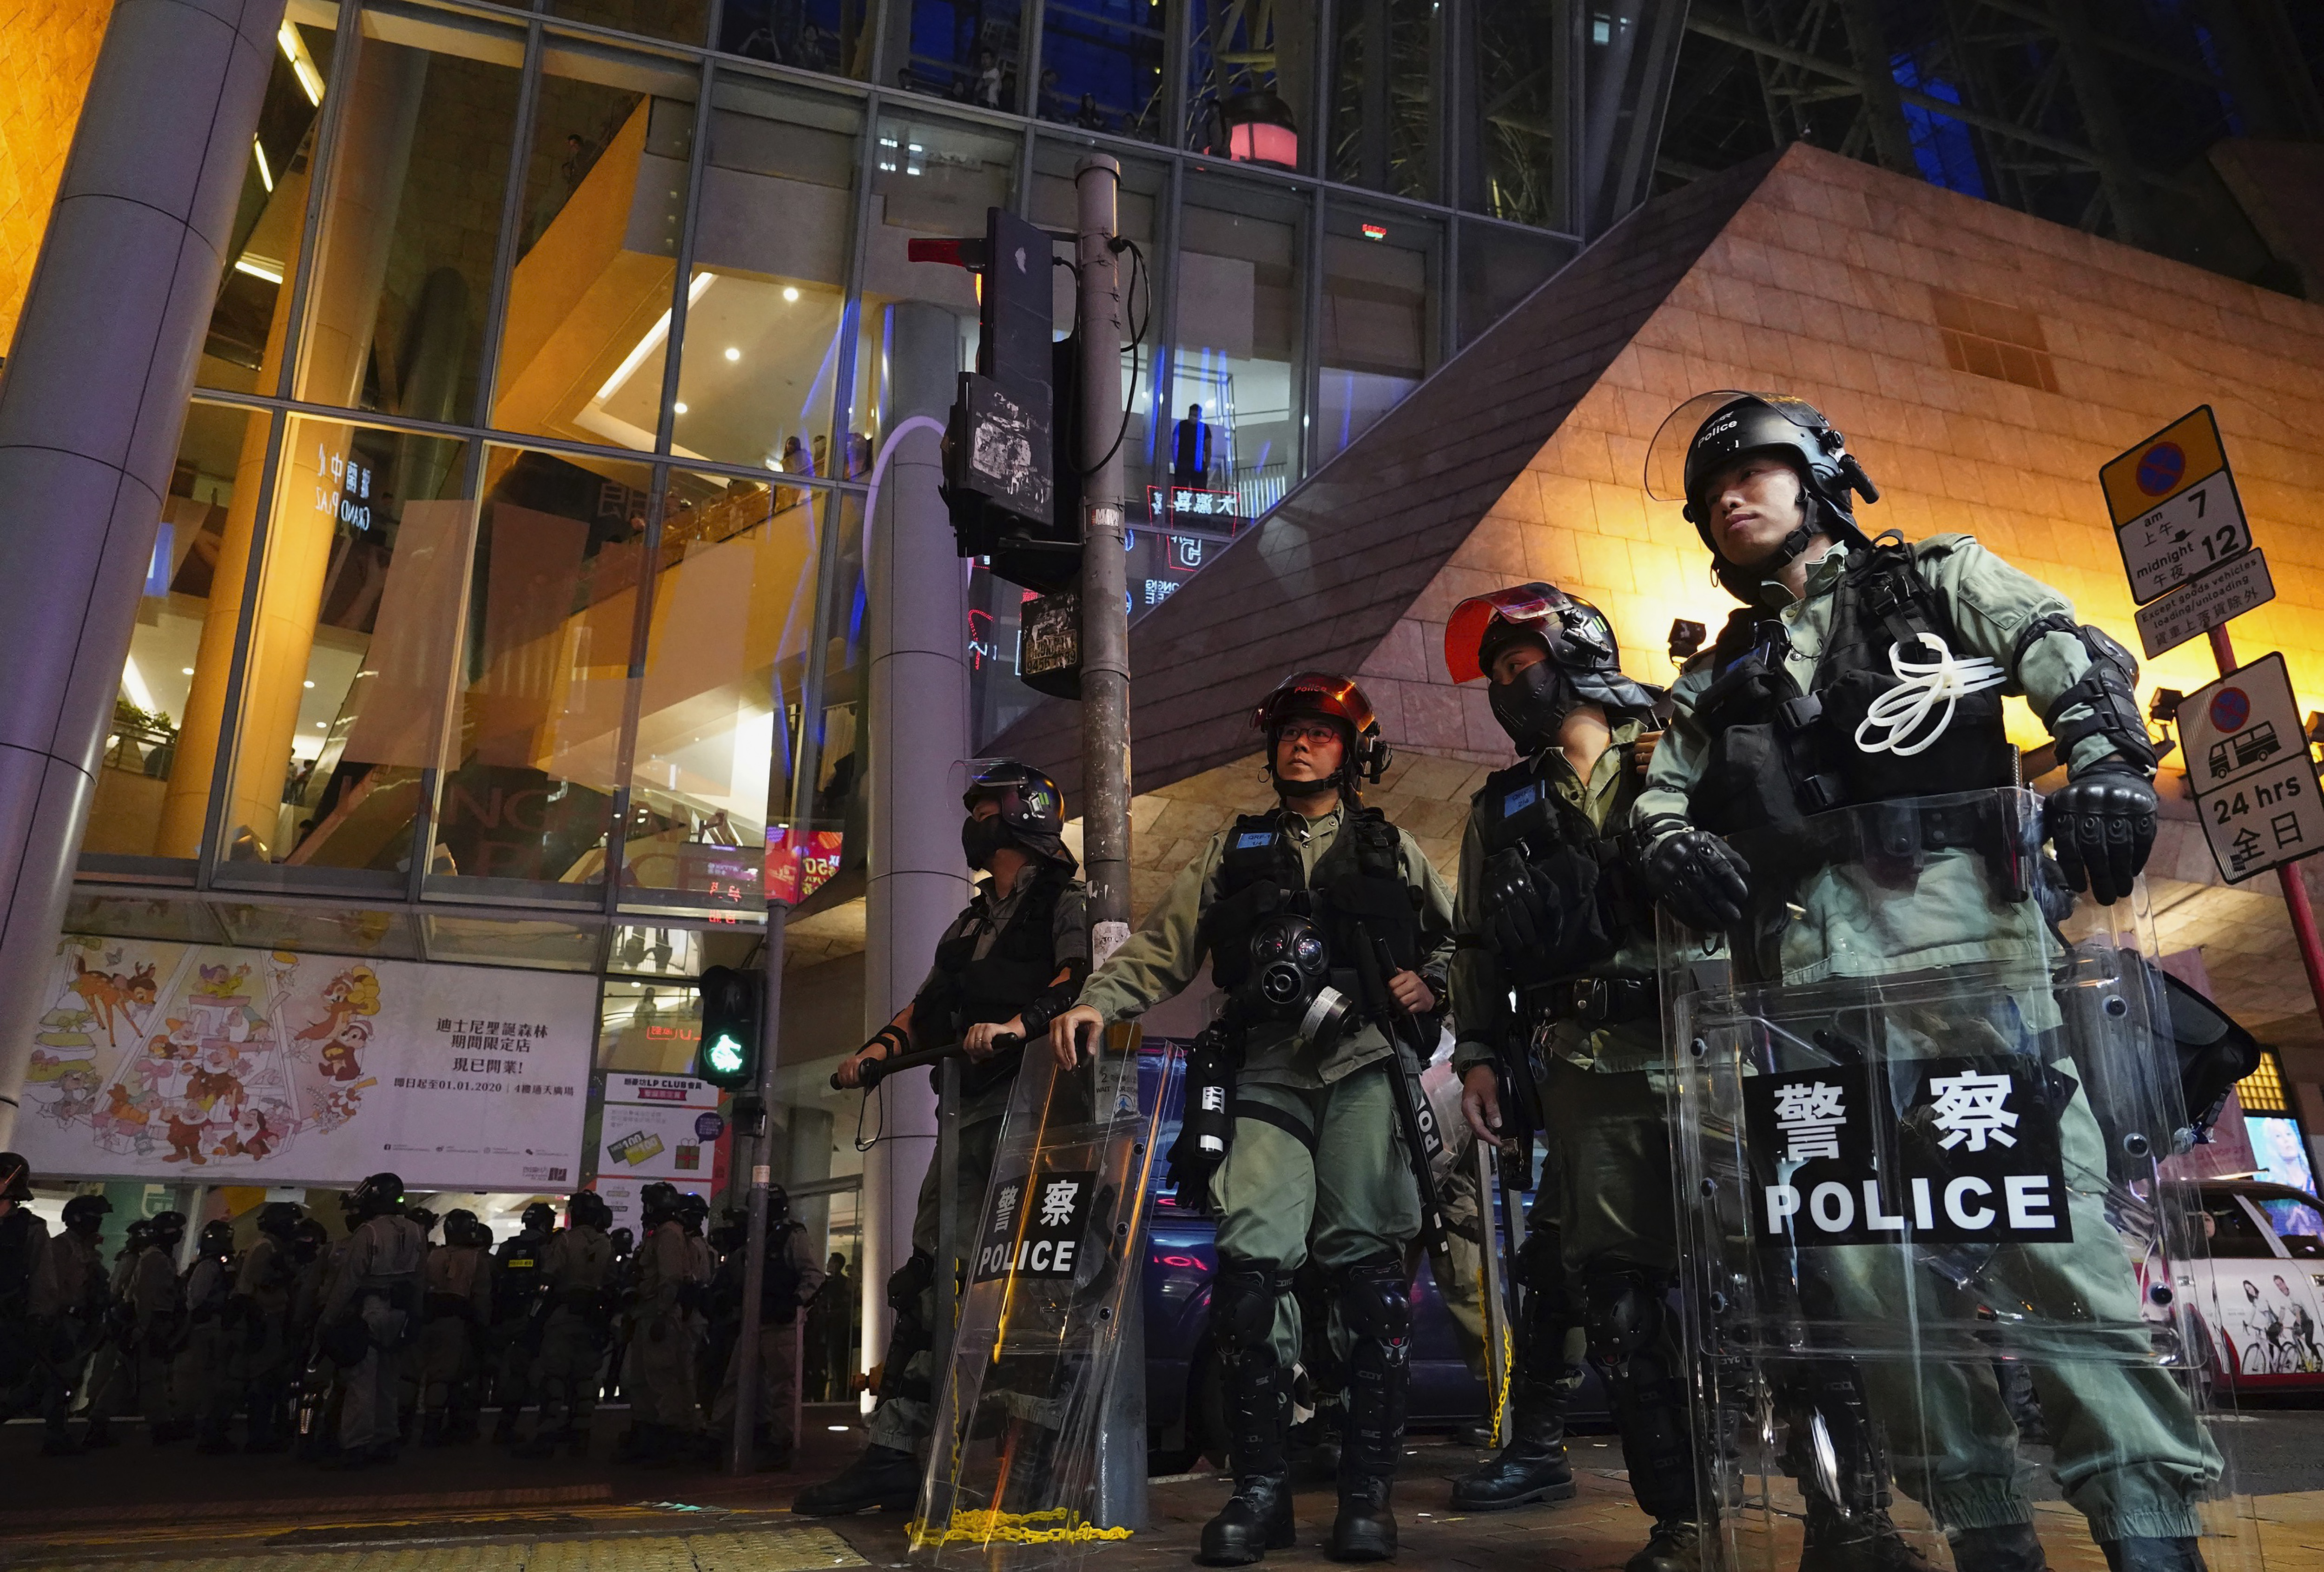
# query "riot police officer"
(153, 1319)
(1551, 916)
(1292, 908)
(1795, 712)
(575, 1273)
(794, 1276)
(113, 1372)
(666, 1324)
(368, 1316)
(67, 1309)
(200, 1373)
(1008, 964)
(260, 1355)
(455, 1305)
(515, 1336)
(22, 1236)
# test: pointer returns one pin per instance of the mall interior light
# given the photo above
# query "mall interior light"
(257, 267)
(680, 407)
(310, 681)
(265, 171)
(302, 64)
(185, 671)
(732, 352)
(790, 293)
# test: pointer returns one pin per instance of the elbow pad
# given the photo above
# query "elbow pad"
(2110, 690)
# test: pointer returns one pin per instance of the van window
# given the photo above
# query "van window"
(2235, 1236)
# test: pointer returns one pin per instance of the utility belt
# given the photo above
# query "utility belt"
(1592, 1001)
(1894, 840)
(458, 1306)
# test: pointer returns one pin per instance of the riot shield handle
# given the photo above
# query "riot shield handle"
(874, 1071)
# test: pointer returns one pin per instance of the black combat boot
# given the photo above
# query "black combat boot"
(432, 1428)
(884, 1477)
(1374, 1303)
(2146, 1555)
(1858, 1541)
(2003, 1548)
(1257, 1517)
(504, 1428)
(1532, 1466)
(1676, 1546)
(1834, 1444)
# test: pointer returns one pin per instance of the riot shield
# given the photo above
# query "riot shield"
(1934, 1266)
(1014, 1467)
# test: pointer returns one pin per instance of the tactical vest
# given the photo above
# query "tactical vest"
(779, 1294)
(1359, 877)
(1778, 755)
(15, 1260)
(518, 1275)
(1016, 971)
(1520, 808)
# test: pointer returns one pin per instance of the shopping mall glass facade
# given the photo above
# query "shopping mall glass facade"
(512, 564)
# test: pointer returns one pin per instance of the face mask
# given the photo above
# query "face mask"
(979, 839)
(1533, 706)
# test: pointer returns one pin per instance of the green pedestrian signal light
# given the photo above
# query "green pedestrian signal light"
(728, 1057)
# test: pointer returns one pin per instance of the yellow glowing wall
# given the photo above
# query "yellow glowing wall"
(48, 48)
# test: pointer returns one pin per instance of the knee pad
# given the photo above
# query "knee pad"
(1243, 1304)
(1375, 1301)
(1624, 1311)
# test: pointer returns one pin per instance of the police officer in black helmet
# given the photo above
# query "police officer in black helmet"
(1009, 965)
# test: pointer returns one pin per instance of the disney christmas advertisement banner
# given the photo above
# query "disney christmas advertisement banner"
(210, 1065)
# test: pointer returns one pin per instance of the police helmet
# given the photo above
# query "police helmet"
(778, 1202)
(166, 1228)
(278, 1219)
(587, 1209)
(657, 1202)
(692, 1211)
(424, 1217)
(625, 1240)
(1713, 430)
(86, 1213)
(1584, 664)
(380, 1194)
(16, 1176)
(217, 1238)
(1032, 809)
(307, 1238)
(1321, 696)
(539, 1217)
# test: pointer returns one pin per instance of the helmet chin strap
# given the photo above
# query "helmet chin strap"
(1733, 575)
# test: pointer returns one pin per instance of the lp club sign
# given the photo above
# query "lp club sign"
(1940, 1151)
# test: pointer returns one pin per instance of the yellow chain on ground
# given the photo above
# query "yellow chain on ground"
(1019, 1528)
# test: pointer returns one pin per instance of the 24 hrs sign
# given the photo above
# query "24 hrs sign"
(2248, 762)
(1968, 1155)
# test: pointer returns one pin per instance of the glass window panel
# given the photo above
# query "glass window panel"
(352, 930)
(648, 1029)
(649, 950)
(213, 491)
(541, 943)
(1384, 96)
(605, 201)
(186, 922)
(350, 661)
(404, 257)
(1500, 267)
(1510, 160)
(831, 36)
(1101, 65)
(1381, 289)
(681, 21)
(544, 681)
(764, 323)
(733, 621)
(963, 49)
(1239, 324)
(828, 778)
(244, 348)
(1250, 80)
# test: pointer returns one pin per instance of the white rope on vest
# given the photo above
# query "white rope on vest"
(1902, 711)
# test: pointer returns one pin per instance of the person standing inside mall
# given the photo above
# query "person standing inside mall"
(1012, 959)
(1769, 727)
(574, 1314)
(368, 1317)
(1554, 988)
(666, 1324)
(66, 1313)
(1315, 1165)
(514, 1339)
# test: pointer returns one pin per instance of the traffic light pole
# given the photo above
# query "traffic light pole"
(1105, 730)
(740, 1454)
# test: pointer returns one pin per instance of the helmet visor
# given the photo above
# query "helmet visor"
(1665, 476)
(1315, 693)
(1464, 634)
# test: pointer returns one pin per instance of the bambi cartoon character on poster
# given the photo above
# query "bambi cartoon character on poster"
(115, 998)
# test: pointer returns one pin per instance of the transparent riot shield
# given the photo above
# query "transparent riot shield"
(1016, 1470)
(1934, 1266)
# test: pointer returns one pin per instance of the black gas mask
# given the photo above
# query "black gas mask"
(1290, 979)
(979, 838)
(1533, 705)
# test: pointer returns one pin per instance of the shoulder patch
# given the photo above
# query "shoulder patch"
(1523, 798)
(1251, 839)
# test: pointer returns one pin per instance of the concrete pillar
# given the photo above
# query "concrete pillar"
(918, 715)
(364, 193)
(92, 405)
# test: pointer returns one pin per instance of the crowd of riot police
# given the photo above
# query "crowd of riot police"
(403, 1328)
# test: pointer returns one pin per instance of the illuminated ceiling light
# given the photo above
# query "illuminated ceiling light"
(321, 724)
(732, 352)
(652, 341)
(185, 671)
(259, 267)
(310, 682)
(679, 406)
(790, 292)
(302, 64)
(265, 171)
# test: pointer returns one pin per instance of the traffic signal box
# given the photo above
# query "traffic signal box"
(731, 1040)
(1013, 484)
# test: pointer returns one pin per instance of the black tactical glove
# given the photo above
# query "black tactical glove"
(2102, 826)
(1520, 919)
(1698, 879)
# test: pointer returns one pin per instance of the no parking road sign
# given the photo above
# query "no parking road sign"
(2247, 760)
(2176, 514)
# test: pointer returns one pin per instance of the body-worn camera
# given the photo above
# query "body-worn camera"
(1290, 979)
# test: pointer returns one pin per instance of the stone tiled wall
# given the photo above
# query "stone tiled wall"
(1827, 284)
(48, 48)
